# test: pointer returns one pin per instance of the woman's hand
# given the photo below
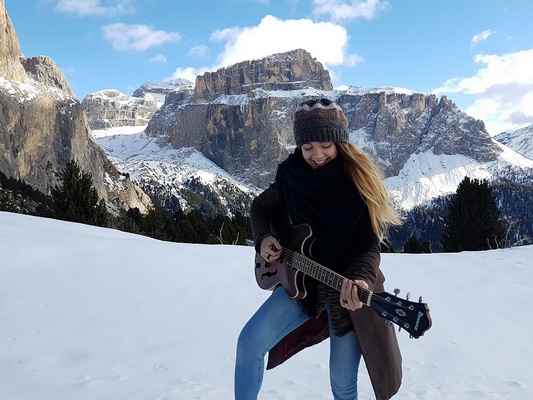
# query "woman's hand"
(270, 249)
(349, 297)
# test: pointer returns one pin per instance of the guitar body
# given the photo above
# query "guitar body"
(271, 274)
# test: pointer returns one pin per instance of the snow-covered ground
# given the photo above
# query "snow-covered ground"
(93, 313)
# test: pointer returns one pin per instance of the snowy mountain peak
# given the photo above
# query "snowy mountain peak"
(520, 140)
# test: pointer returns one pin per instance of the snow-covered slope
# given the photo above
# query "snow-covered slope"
(426, 176)
(162, 170)
(520, 140)
(93, 313)
(31, 89)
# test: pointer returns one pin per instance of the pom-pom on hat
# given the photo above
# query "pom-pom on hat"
(320, 120)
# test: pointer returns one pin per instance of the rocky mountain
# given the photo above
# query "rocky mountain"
(295, 69)
(520, 140)
(414, 137)
(424, 144)
(10, 66)
(111, 108)
(177, 178)
(159, 90)
(42, 126)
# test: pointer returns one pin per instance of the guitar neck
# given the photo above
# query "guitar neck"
(322, 274)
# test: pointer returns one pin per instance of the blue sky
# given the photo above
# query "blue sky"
(477, 52)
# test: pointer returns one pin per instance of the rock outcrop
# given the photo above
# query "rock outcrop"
(392, 126)
(249, 134)
(42, 127)
(159, 90)
(44, 70)
(295, 69)
(10, 67)
(520, 140)
(112, 108)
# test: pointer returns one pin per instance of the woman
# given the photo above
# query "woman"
(332, 186)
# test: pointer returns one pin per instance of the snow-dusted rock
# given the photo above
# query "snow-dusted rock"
(520, 140)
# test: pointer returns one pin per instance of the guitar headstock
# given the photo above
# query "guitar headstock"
(414, 317)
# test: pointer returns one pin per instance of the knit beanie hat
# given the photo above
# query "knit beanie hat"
(320, 120)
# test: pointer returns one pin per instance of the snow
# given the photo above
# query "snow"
(121, 99)
(129, 146)
(148, 159)
(95, 313)
(29, 90)
(297, 94)
(361, 91)
(425, 175)
(520, 140)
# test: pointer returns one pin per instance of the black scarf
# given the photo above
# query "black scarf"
(328, 200)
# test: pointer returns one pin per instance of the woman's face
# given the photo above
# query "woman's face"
(316, 154)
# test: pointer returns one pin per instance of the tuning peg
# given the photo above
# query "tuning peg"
(399, 328)
(420, 299)
(407, 296)
(396, 292)
(410, 336)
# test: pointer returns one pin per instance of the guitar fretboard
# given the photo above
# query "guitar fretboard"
(320, 273)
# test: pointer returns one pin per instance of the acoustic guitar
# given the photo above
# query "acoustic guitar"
(294, 266)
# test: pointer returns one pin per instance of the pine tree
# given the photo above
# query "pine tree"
(473, 221)
(75, 199)
(412, 245)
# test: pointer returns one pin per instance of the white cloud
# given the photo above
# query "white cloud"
(95, 7)
(137, 37)
(503, 90)
(189, 73)
(345, 11)
(199, 51)
(324, 40)
(476, 39)
(158, 59)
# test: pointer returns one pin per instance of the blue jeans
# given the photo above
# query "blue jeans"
(278, 316)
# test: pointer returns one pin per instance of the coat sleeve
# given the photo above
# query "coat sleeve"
(365, 266)
(264, 207)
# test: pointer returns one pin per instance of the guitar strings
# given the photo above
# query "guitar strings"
(309, 262)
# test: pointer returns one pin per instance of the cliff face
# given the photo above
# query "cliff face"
(111, 108)
(284, 71)
(10, 67)
(248, 135)
(392, 126)
(44, 70)
(247, 139)
(42, 126)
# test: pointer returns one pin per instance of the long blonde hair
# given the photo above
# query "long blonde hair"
(368, 179)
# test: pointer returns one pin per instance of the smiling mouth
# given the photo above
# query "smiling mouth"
(318, 164)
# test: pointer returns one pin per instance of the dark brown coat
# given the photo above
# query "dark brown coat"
(376, 337)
